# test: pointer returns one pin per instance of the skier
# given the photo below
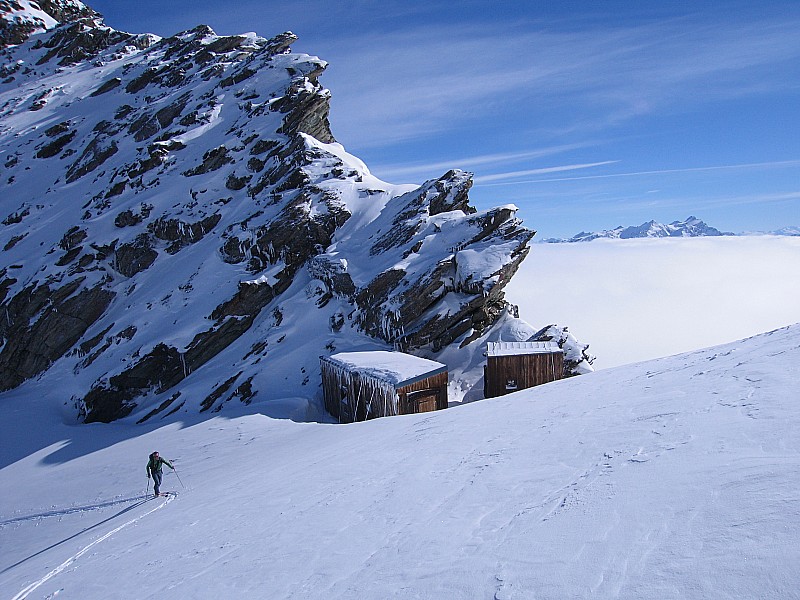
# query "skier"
(154, 469)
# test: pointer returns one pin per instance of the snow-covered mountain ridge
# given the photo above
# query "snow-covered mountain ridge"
(791, 230)
(180, 228)
(690, 227)
(674, 478)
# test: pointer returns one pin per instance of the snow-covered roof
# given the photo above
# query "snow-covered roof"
(514, 348)
(396, 368)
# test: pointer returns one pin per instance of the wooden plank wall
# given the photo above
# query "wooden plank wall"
(527, 370)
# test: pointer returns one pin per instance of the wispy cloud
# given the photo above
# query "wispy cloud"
(425, 170)
(416, 82)
(485, 179)
(762, 165)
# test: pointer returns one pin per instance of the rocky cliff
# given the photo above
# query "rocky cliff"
(181, 230)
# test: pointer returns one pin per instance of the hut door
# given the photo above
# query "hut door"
(424, 401)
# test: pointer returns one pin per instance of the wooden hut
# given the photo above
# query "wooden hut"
(364, 385)
(512, 366)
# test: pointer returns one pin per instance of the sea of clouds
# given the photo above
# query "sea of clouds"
(633, 300)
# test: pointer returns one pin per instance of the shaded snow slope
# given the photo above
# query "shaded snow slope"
(676, 478)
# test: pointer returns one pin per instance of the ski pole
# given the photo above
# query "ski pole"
(147, 491)
(179, 477)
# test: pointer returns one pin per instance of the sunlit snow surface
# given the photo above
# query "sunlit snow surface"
(676, 478)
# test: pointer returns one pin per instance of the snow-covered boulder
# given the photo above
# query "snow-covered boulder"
(577, 361)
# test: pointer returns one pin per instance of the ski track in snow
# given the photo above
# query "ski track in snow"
(33, 586)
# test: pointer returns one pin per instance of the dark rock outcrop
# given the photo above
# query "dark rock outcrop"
(41, 324)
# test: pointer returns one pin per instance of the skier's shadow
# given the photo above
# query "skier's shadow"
(72, 537)
(68, 511)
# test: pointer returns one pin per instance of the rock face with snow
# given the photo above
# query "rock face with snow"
(20, 18)
(181, 229)
(691, 227)
(577, 360)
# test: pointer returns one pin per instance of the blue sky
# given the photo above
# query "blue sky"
(586, 115)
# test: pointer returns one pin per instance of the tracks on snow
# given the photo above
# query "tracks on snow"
(33, 586)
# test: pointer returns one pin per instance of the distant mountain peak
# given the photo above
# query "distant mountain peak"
(689, 227)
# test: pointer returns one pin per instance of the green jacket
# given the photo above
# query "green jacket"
(154, 465)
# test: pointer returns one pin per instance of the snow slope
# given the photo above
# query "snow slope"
(634, 300)
(676, 478)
